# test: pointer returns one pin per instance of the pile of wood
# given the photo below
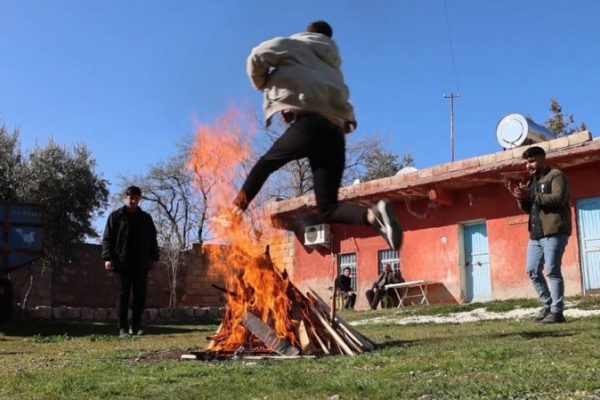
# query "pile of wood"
(316, 330)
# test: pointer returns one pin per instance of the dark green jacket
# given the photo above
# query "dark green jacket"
(114, 241)
(552, 196)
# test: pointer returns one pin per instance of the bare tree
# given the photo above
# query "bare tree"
(365, 159)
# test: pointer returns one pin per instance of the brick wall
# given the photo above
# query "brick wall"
(83, 282)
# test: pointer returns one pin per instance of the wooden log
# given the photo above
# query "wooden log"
(367, 344)
(333, 298)
(365, 341)
(332, 332)
(320, 301)
(320, 341)
(268, 335)
(362, 345)
(305, 344)
(212, 343)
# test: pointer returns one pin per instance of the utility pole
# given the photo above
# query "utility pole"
(451, 96)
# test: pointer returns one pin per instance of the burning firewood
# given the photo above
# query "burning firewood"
(314, 328)
(265, 314)
(268, 336)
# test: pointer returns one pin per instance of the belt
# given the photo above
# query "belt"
(291, 116)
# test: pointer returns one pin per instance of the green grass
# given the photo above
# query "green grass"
(502, 359)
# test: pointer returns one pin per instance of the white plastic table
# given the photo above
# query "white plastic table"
(401, 291)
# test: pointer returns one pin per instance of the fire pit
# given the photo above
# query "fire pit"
(311, 326)
(266, 315)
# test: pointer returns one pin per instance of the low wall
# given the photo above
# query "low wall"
(151, 315)
(83, 284)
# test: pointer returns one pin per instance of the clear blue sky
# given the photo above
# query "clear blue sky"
(130, 78)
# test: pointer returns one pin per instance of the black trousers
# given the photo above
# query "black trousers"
(323, 143)
(375, 296)
(131, 278)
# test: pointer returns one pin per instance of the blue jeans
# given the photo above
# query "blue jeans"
(547, 252)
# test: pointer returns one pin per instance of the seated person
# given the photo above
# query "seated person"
(344, 284)
(378, 291)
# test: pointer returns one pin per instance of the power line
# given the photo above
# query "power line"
(454, 70)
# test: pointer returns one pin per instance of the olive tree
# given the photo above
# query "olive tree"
(64, 182)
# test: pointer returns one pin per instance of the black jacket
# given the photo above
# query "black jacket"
(345, 283)
(114, 241)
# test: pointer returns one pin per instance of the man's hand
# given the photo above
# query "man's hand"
(108, 265)
(520, 192)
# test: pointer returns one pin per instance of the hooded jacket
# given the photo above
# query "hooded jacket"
(301, 72)
(550, 192)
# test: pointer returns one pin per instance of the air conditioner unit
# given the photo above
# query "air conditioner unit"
(315, 235)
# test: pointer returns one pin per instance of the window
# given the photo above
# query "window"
(389, 257)
(348, 260)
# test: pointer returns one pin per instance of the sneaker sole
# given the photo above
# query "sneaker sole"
(392, 227)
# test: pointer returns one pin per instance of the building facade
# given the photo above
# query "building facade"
(463, 230)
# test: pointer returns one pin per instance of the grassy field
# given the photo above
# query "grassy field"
(502, 359)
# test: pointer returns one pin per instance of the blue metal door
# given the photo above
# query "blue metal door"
(588, 223)
(477, 263)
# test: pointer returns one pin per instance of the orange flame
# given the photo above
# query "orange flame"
(253, 283)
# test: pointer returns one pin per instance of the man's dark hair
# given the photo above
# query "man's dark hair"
(347, 268)
(133, 191)
(321, 27)
(534, 152)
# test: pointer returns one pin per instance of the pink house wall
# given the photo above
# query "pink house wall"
(432, 247)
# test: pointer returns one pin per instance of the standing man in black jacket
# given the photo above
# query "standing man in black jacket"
(130, 248)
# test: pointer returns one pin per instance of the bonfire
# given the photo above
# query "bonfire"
(265, 314)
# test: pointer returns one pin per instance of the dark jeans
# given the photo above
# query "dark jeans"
(131, 279)
(349, 299)
(314, 137)
(374, 297)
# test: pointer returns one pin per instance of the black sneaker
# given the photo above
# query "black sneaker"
(554, 318)
(387, 224)
(543, 313)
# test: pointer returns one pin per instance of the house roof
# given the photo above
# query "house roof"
(440, 181)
